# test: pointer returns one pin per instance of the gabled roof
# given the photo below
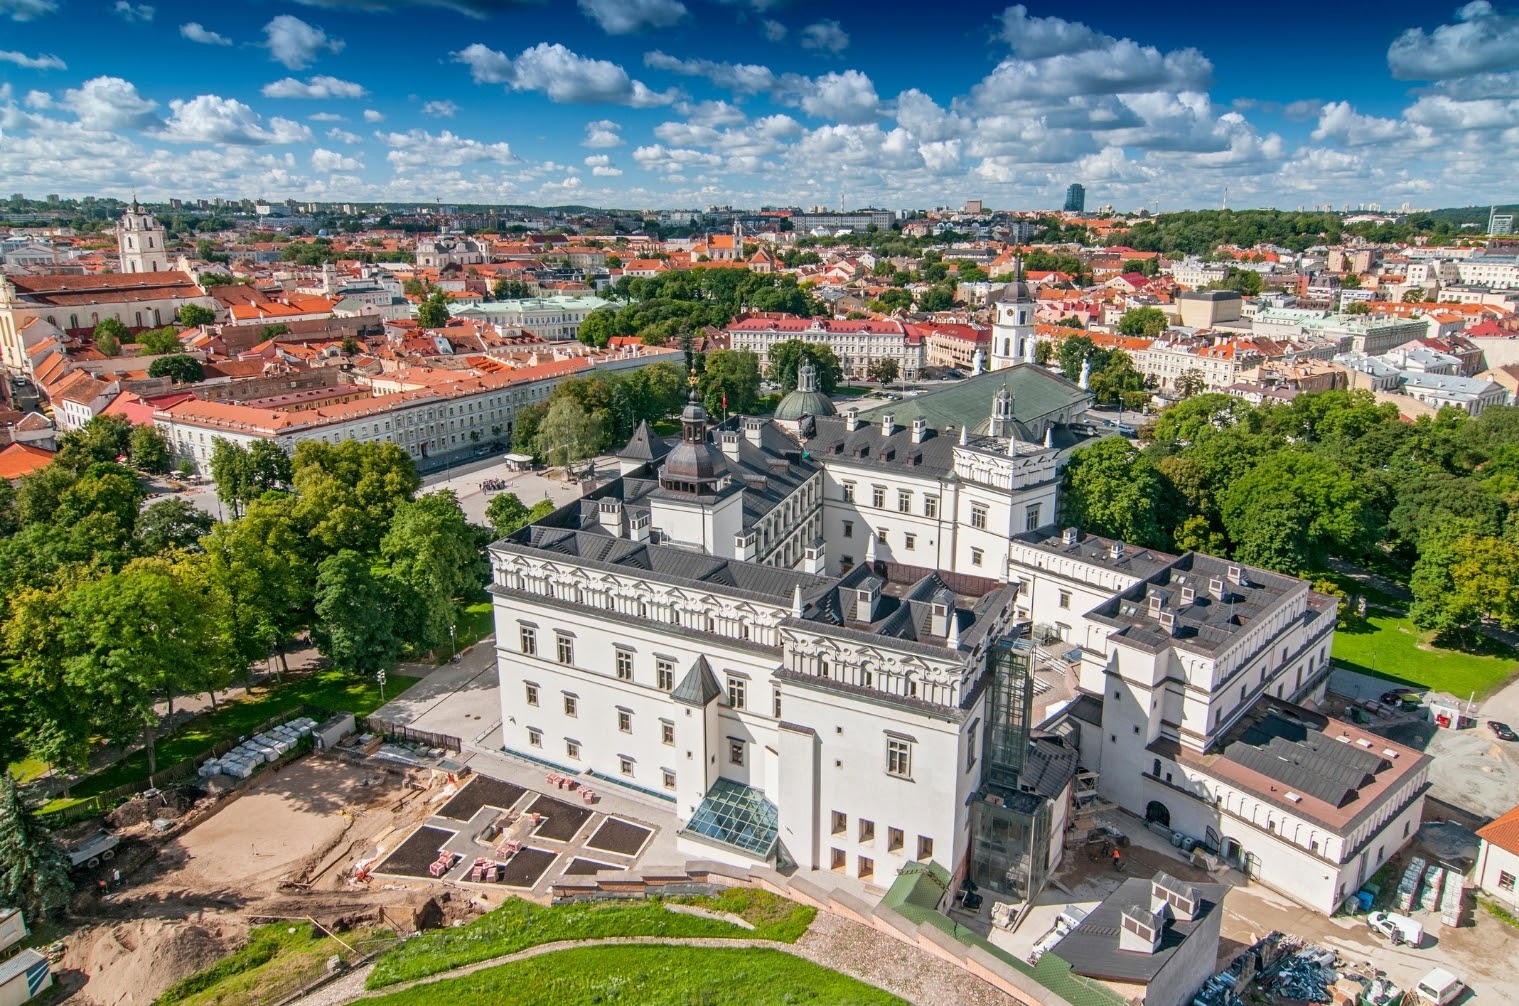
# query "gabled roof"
(1504, 832)
(644, 445)
(699, 686)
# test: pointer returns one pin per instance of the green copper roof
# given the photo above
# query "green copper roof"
(1036, 392)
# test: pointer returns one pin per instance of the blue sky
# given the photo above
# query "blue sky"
(679, 103)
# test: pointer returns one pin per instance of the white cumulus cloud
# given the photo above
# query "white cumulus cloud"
(295, 43)
(417, 148)
(826, 35)
(314, 87)
(329, 161)
(27, 10)
(373, 115)
(601, 134)
(195, 32)
(623, 17)
(562, 74)
(210, 118)
(440, 109)
(740, 78)
(602, 167)
(1481, 40)
(773, 30)
(139, 12)
(110, 103)
(344, 136)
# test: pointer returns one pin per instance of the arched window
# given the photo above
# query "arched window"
(1155, 768)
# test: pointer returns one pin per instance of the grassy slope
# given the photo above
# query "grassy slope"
(328, 689)
(648, 976)
(1388, 646)
(519, 924)
(273, 964)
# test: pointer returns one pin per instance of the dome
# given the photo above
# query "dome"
(1015, 292)
(693, 466)
(800, 403)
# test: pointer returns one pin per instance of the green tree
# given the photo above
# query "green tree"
(181, 368)
(1191, 383)
(274, 331)
(510, 289)
(731, 380)
(355, 619)
(507, 514)
(348, 492)
(191, 315)
(1076, 350)
(786, 359)
(432, 563)
(883, 369)
(1462, 580)
(1414, 295)
(159, 342)
(1292, 510)
(525, 427)
(149, 450)
(569, 434)
(433, 312)
(109, 336)
(1111, 489)
(599, 327)
(1142, 321)
(938, 297)
(1119, 382)
(34, 872)
(263, 566)
(351, 346)
(169, 524)
(102, 439)
(1359, 307)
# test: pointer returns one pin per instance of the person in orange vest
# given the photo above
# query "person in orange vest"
(1117, 859)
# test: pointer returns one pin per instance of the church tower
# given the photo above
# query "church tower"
(140, 241)
(1013, 324)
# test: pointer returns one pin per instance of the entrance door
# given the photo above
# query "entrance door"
(1158, 812)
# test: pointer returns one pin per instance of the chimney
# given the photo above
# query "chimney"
(1188, 595)
(1167, 620)
(851, 420)
(1236, 575)
(610, 514)
(867, 599)
(752, 430)
(1216, 588)
(938, 623)
(1156, 604)
(1168, 894)
(888, 425)
(1070, 536)
(728, 441)
(1141, 930)
(1115, 550)
(919, 430)
(744, 546)
(816, 557)
(638, 527)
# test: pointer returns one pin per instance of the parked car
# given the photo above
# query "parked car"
(1502, 731)
(1399, 929)
(1401, 697)
(1439, 987)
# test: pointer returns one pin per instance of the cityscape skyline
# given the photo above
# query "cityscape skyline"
(667, 103)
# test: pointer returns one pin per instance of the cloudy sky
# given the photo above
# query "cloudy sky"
(670, 103)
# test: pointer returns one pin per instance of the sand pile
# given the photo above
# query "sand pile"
(132, 963)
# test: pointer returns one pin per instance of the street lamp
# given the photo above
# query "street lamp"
(380, 677)
(453, 653)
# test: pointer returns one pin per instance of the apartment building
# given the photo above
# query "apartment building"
(857, 343)
(554, 318)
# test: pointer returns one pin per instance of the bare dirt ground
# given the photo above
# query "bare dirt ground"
(281, 849)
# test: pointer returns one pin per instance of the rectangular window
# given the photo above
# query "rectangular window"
(1505, 880)
(669, 778)
(836, 859)
(738, 693)
(625, 764)
(572, 748)
(664, 670)
(775, 700)
(529, 639)
(666, 732)
(970, 745)
(571, 706)
(565, 647)
(904, 501)
(881, 536)
(1065, 598)
(867, 868)
(840, 822)
(975, 556)
(878, 496)
(532, 693)
(849, 529)
(925, 847)
(978, 516)
(894, 839)
(624, 664)
(898, 758)
(911, 541)
(848, 488)
(867, 830)
(1031, 516)
(624, 721)
(736, 752)
(534, 737)
(930, 506)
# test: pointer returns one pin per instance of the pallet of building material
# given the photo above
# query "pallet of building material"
(1408, 887)
(1434, 879)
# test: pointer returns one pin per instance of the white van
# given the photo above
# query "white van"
(1439, 987)
(1400, 929)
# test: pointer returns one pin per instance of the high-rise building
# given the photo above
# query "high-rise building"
(1499, 223)
(1075, 198)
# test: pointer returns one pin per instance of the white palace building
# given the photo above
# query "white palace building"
(821, 638)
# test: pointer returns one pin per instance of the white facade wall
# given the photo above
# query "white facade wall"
(1497, 874)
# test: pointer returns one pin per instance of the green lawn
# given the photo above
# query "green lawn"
(1388, 646)
(649, 976)
(519, 924)
(477, 622)
(328, 689)
(277, 960)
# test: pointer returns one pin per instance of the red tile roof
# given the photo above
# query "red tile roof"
(1504, 832)
(22, 459)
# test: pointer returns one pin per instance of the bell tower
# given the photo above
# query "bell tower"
(1013, 324)
(140, 241)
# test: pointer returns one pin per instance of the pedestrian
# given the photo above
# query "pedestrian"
(1117, 859)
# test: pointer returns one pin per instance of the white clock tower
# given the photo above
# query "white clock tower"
(140, 241)
(1013, 325)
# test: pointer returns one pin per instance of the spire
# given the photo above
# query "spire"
(870, 550)
(952, 639)
(796, 602)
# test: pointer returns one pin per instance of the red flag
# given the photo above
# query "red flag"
(725, 401)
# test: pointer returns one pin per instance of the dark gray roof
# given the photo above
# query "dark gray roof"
(699, 686)
(1050, 765)
(1091, 949)
(1098, 551)
(644, 445)
(1087, 709)
(1305, 759)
